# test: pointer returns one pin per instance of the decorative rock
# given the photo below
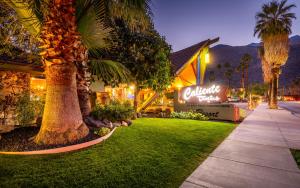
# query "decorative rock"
(90, 121)
(124, 123)
(109, 125)
(134, 116)
(117, 124)
(129, 122)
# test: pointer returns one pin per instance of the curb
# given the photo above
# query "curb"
(62, 149)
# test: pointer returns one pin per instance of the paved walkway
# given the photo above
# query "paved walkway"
(256, 154)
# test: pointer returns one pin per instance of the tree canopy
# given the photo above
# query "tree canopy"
(144, 54)
(275, 18)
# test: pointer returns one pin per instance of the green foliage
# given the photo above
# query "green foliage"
(170, 95)
(102, 131)
(25, 110)
(110, 72)
(296, 155)
(144, 54)
(115, 111)
(189, 115)
(259, 89)
(39, 106)
(15, 40)
(28, 110)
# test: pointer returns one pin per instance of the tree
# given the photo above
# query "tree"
(65, 34)
(266, 69)
(15, 40)
(136, 15)
(273, 26)
(228, 74)
(145, 55)
(243, 68)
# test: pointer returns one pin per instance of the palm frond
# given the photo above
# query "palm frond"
(137, 13)
(27, 15)
(91, 25)
(110, 72)
(274, 19)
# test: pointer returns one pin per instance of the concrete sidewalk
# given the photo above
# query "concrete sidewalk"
(255, 154)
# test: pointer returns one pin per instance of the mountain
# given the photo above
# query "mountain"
(295, 40)
(221, 54)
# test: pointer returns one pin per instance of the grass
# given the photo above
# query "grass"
(151, 153)
(296, 155)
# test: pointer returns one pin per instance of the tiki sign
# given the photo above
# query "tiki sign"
(202, 94)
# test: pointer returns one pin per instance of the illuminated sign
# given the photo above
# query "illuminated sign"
(199, 94)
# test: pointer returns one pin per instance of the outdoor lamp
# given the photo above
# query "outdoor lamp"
(207, 58)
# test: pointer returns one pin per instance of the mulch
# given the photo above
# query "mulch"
(19, 140)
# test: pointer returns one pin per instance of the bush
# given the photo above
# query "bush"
(25, 110)
(115, 111)
(28, 110)
(189, 115)
(102, 131)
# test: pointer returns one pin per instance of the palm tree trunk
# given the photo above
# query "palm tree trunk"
(83, 84)
(62, 120)
(274, 91)
(269, 92)
(243, 80)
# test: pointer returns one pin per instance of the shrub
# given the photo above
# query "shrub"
(25, 110)
(28, 110)
(189, 115)
(102, 131)
(115, 111)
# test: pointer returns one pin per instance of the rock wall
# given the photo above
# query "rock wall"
(12, 84)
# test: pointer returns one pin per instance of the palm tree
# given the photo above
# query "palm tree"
(228, 73)
(66, 30)
(243, 68)
(273, 26)
(266, 69)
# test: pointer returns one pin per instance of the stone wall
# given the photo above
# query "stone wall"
(12, 84)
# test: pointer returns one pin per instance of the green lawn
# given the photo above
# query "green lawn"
(151, 153)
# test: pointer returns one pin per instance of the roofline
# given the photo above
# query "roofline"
(207, 43)
(34, 70)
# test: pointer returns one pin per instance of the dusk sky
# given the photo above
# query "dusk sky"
(186, 22)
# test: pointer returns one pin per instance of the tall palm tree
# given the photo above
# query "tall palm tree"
(266, 69)
(243, 68)
(273, 26)
(66, 29)
(228, 73)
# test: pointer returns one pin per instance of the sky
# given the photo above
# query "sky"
(187, 22)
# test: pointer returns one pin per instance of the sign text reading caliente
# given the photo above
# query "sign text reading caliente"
(203, 94)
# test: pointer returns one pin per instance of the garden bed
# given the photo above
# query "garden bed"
(19, 140)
